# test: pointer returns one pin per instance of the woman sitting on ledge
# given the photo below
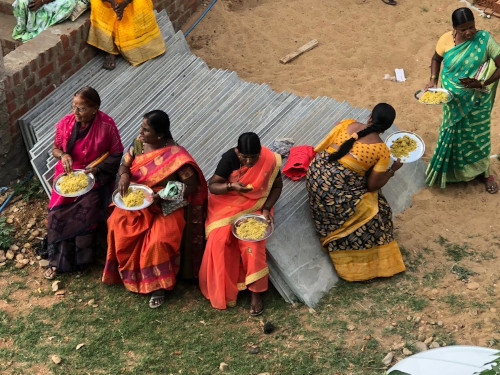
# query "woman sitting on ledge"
(34, 16)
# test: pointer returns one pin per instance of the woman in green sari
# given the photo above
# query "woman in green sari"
(463, 147)
(34, 16)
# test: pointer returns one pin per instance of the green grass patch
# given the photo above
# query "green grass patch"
(463, 273)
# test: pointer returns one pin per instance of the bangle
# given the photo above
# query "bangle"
(433, 76)
(62, 154)
(391, 171)
(125, 172)
(228, 186)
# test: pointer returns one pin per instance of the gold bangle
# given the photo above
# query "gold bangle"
(433, 76)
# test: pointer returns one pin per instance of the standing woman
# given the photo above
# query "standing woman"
(247, 180)
(126, 27)
(81, 137)
(463, 148)
(351, 215)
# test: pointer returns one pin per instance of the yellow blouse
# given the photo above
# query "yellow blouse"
(362, 155)
(445, 43)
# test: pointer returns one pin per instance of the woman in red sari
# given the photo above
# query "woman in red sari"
(229, 264)
(144, 246)
(81, 137)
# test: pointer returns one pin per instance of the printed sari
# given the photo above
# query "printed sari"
(355, 225)
(463, 146)
(144, 246)
(136, 36)
(229, 264)
(72, 222)
(31, 23)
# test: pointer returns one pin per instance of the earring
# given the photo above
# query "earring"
(159, 137)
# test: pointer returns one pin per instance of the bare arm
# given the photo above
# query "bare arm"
(66, 159)
(376, 180)
(435, 69)
(272, 198)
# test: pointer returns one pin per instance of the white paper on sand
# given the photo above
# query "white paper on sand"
(400, 75)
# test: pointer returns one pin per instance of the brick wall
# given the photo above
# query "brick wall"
(35, 69)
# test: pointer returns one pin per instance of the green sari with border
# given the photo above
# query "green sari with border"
(463, 147)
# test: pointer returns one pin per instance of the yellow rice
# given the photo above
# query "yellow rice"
(73, 183)
(134, 197)
(434, 97)
(251, 229)
(402, 146)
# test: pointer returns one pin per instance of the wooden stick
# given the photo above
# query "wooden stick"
(306, 47)
(98, 160)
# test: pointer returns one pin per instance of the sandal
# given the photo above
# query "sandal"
(157, 299)
(491, 185)
(50, 273)
(390, 2)
(257, 309)
(110, 62)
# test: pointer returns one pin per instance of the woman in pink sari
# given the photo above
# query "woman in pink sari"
(81, 137)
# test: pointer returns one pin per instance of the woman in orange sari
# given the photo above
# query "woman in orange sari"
(247, 180)
(144, 246)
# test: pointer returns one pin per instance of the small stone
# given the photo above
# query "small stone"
(388, 359)
(398, 345)
(394, 324)
(10, 255)
(60, 293)
(2, 264)
(434, 345)
(56, 359)
(20, 265)
(32, 262)
(27, 245)
(10, 220)
(56, 285)
(473, 286)
(91, 302)
(14, 247)
(367, 337)
(35, 233)
(417, 319)
(2, 253)
(95, 305)
(440, 323)
(351, 327)
(420, 346)
(30, 225)
(223, 366)
(254, 350)
(2, 259)
(407, 351)
(428, 340)
(43, 263)
(268, 327)
(408, 318)
(420, 337)
(312, 311)
(19, 257)
(493, 310)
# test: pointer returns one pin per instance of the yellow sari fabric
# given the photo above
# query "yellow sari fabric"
(136, 36)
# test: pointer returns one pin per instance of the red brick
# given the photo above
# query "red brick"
(33, 66)
(66, 67)
(73, 36)
(46, 70)
(65, 57)
(30, 81)
(14, 116)
(14, 128)
(11, 106)
(32, 91)
(26, 72)
(16, 78)
(65, 41)
(47, 90)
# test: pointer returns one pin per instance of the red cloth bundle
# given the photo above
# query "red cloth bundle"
(298, 161)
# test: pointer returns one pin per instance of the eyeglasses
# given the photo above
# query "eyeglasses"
(78, 109)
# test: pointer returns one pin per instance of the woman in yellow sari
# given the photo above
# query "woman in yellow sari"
(351, 215)
(247, 180)
(126, 27)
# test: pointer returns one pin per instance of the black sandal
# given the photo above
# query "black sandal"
(389, 2)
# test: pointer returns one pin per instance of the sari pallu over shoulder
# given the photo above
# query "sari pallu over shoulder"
(224, 209)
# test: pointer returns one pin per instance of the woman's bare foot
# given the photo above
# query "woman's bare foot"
(256, 306)
(491, 185)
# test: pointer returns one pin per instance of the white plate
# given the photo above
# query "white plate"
(90, 180)
(258, 217)
(419, 93)
(148, 200)
(415, 154)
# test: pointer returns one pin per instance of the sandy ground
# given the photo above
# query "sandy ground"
(359, 42)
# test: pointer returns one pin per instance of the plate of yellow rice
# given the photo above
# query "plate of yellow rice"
(406, 146)
(252, 227)
(74, 184)
(434, 96)
(138, 197)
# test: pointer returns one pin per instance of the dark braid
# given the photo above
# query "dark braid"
(383, 116)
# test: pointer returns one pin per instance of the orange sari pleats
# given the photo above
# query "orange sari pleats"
(143, 249)
(230, 265)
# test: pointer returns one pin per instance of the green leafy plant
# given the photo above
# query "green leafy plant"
(5, 231)
(462, 273)
(31, 189)
(494, 370)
